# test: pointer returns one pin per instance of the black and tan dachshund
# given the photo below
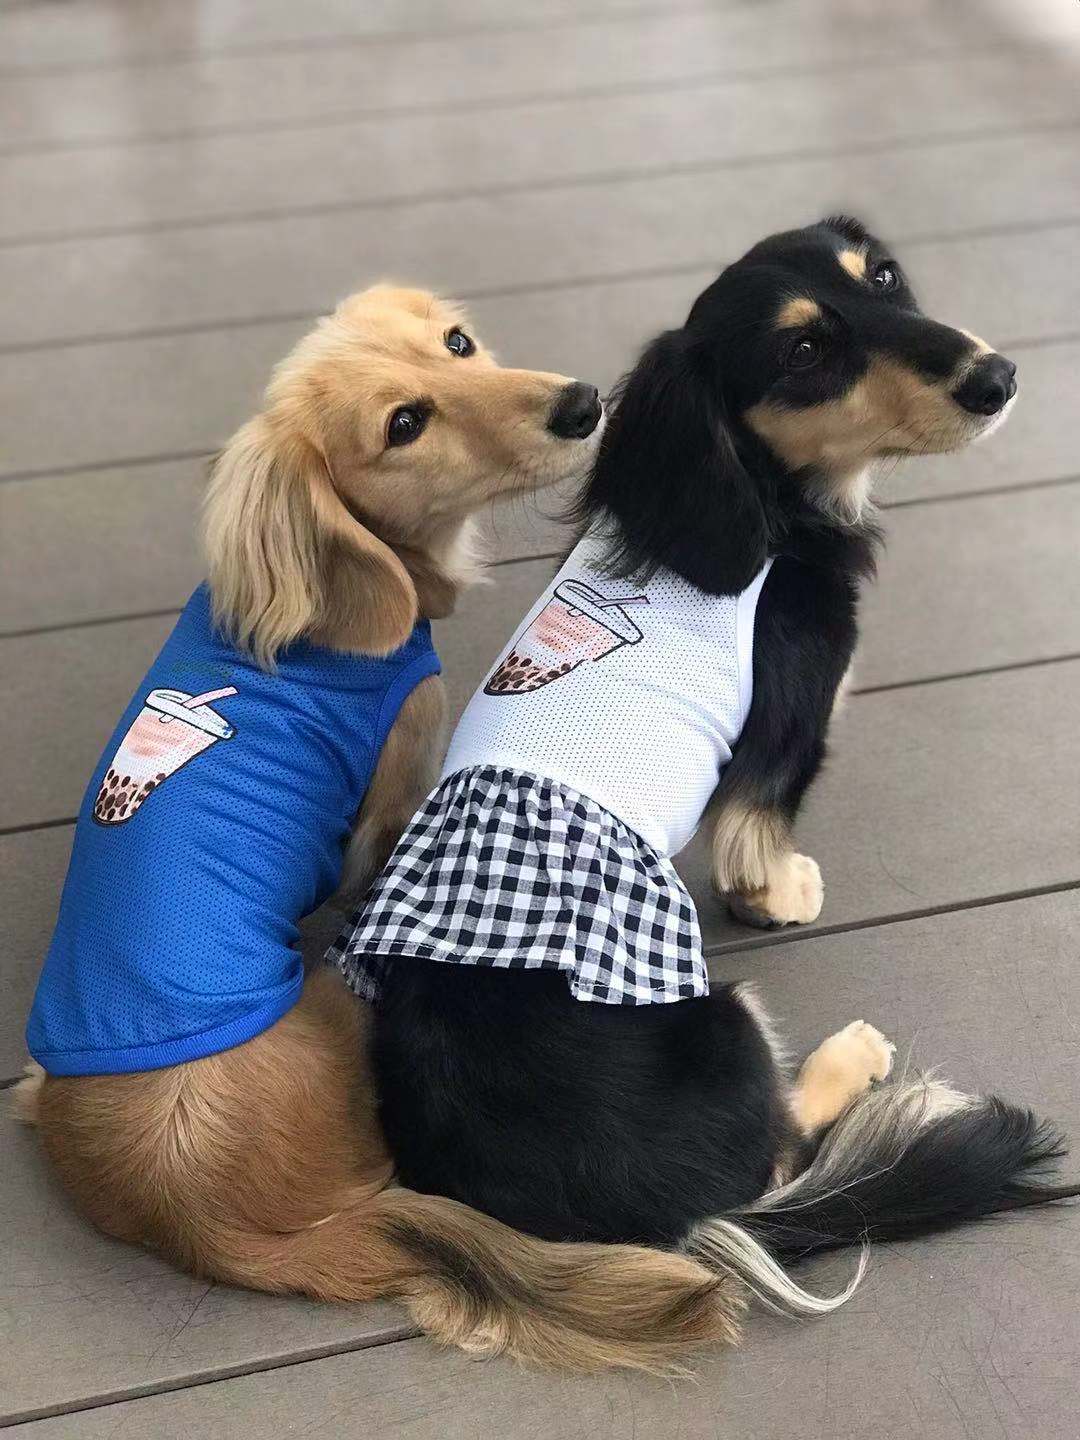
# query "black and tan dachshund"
(751, 431)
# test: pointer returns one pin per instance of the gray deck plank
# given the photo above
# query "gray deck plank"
(966, 585)
(32, 870)
(365, 163)
(177, 394)
(287, 265)
(973, 583)
(301, 86)
(90, 33)
(80, 547)
(967, 1334)
(938, 795)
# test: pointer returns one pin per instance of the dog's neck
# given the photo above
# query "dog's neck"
(824, 518)
(444, 562)
(843, 495)
(816, 534)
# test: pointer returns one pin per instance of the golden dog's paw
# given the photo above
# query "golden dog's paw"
(793, 895)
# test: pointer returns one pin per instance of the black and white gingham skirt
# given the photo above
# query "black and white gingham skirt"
(504, 869)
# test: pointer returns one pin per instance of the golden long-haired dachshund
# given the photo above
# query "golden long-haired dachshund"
(193, 1092)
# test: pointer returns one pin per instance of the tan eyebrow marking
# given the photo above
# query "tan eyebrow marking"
(854, 262)
(798, 312)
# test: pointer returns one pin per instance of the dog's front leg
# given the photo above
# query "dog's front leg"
(766, 880)
(804, 637)
(406, 772)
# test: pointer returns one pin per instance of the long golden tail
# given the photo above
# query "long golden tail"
(470, 1281)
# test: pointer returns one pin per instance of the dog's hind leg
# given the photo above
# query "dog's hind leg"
(217, 1162)
(841, 1068)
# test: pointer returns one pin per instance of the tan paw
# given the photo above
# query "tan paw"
(842, 1067)
(793, 894)
(862, 1050)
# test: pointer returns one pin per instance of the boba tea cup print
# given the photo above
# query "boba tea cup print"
(576, 624)
(171, 729)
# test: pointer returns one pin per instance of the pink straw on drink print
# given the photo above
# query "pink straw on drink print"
(171, 729)
(206, 698)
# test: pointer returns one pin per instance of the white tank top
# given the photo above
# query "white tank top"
(631, 696)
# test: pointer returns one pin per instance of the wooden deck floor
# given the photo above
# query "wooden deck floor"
(182, 187)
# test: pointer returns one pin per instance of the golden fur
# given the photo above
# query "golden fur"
(314, 526)
(408, 767)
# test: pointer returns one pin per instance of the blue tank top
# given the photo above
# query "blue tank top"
(215, 820)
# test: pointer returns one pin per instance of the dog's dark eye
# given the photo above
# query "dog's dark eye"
(459, 343)
(406, 423)
(886, 276)
(803, 354)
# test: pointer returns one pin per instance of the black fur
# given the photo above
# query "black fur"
(682, 481)
(983, 1159)
(669, 483)
(584, 1121)
(574, 1120)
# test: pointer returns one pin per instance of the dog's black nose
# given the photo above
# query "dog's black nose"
(576, 413)
(989, 386)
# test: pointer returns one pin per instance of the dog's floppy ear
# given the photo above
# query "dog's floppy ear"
(287, 559)
(669, 476)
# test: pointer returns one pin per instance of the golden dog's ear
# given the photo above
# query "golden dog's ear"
(368, 602)
(288, 560)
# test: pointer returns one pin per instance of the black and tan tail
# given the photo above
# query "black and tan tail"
(904, 1160)
(907, 1159)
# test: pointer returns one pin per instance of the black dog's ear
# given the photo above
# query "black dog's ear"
(667, 483)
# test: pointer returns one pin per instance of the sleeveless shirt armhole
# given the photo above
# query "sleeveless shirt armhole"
(397, 692)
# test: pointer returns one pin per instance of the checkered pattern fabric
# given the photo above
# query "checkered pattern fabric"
(505, 869)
